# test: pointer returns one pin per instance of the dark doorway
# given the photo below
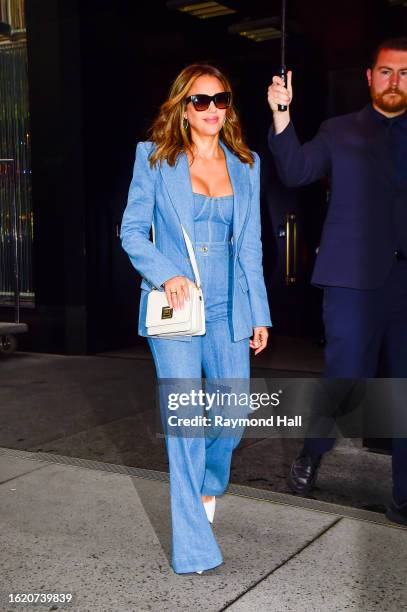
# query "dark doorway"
(112, 67)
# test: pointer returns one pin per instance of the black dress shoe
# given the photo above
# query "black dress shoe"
(303, 473)
(397, 513)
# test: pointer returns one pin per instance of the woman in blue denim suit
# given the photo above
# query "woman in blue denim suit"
(197, 171)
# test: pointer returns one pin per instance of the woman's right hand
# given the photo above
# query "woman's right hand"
(177, 290)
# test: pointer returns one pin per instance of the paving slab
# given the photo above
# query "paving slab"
(354, 566)
(129, 441)
(47, 397)
(349, 474)
(106, 538)
(15, 467)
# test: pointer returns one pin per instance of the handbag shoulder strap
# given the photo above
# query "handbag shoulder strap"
(191, 253)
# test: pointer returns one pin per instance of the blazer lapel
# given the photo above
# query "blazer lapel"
(377, 150)
(178, 182)
(238, 173)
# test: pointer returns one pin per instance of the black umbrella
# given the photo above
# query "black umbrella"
(283, 69)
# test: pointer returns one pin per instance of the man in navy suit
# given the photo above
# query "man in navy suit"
(362, 259)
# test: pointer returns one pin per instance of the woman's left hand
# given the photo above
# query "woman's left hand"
(259, 340)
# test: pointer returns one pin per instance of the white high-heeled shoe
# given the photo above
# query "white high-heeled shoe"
(210, 508)
(210, 513)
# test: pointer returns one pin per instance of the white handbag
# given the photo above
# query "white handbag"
(162, 320)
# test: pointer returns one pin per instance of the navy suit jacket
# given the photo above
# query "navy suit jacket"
(366, 220)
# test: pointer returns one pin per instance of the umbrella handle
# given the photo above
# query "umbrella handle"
(283, 75)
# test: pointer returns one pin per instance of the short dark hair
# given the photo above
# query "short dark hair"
(395, 44)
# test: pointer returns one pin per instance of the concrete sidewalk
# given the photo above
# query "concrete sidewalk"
(105, 537)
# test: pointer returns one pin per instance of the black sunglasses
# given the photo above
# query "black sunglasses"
(202, 102)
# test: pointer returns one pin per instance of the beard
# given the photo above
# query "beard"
(395, 104)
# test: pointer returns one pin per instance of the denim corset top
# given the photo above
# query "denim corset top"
(213, 218)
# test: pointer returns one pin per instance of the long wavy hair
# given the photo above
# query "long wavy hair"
(168, 132)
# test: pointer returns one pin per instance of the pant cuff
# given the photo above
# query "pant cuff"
(187, 566)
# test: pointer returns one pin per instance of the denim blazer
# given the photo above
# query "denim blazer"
(164, 195)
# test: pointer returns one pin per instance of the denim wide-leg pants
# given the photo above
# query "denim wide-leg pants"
(199, 464)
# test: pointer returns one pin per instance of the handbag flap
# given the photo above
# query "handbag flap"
(159, 313)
